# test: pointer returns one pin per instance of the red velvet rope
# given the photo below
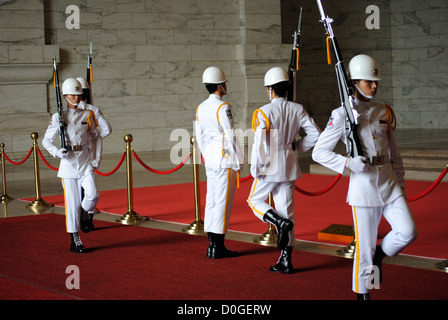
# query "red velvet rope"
(431, 188)
(157, 171)
(308, 193)
(20, 162)
(114, 169)
(318, 193)
(96, 171)
(45, 161)
(246, 178)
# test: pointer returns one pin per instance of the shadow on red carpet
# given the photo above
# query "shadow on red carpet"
(175, 203)
(140, 263)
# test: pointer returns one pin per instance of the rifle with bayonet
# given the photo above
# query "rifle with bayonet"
(345, 86)
(62, 124)
(294, 63)
(89, 77)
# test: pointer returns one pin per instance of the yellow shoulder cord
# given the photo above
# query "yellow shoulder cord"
(94, 119)
(237, 179)
(197, 113)
(391, 119)
(223, 133)
(297, 61)
(256, 122)
(328, 50)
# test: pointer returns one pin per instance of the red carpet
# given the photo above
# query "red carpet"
(175, 203)
(131, 262)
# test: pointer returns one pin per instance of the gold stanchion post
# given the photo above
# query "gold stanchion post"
(269, 238)
(37, 203)
(442, 265)
(197, 226)
(130, 217)
(4, 196)
(349, 250)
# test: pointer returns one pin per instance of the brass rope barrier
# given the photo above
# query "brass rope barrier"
(269, 238)
(130, 217)
(443, 265)
(38, 202)
(4, 196)
(197, 226)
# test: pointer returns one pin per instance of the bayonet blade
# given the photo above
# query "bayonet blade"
(299, 24)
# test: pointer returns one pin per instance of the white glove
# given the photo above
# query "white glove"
(95, 164)
(357, 164)
(62, 153)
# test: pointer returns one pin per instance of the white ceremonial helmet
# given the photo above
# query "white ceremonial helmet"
(213, 75)
(83, 83)
(275, 75)
(364, 67)
(71, 86)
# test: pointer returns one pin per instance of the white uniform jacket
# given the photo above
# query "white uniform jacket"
(379, 184)
(215, 136)
(276, 127)
(80, 125)
(105, 130)
(102, 123)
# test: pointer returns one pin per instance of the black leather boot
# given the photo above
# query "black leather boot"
(378, 260)
(211, 245)
(77, 248)
(283, 227)
(363, 296)
(85, 223)
(92, 227)
(284, 264)
(217, 249)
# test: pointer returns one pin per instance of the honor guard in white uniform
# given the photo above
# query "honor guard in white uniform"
(376, 180)
(274, 164)
(75, 168)
(223, 159)
(104, 130)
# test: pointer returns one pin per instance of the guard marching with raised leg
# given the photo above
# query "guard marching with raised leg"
(75, 168)
(274, 164)
(377, 176)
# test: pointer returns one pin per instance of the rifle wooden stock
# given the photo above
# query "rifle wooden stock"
(294, 63)
(62, 124)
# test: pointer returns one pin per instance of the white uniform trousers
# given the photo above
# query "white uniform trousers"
(283, 196)
(219, 200)
(72, 199)
(366, 221)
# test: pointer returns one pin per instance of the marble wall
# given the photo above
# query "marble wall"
(420, 63)
(149, 56)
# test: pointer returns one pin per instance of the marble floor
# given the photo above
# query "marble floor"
(20, 183)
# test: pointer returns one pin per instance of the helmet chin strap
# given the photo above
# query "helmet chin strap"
(223, 90)
(270, 94)
(73, 104)
(363, 94)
